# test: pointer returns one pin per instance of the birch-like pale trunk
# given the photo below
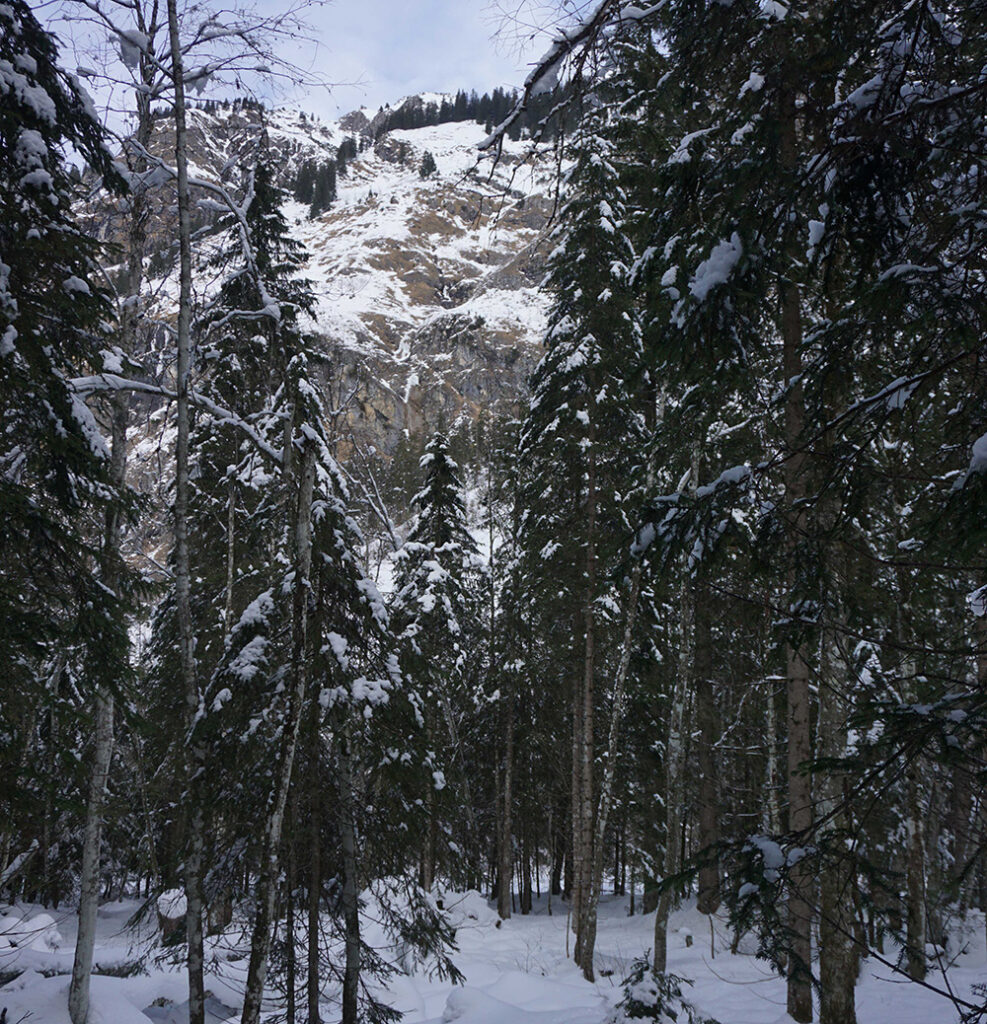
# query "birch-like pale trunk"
(85, 944)
(267, 881)
(113, 537)
(89, 881)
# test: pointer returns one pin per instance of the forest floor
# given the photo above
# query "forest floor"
(516, 973)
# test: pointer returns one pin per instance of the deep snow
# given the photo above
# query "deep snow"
(516, 973)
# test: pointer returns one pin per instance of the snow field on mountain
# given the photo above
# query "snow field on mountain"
(387, 224)
(516, 971)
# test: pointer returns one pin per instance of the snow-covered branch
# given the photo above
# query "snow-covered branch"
(112, 382)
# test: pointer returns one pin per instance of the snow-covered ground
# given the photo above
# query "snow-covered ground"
(516, 972)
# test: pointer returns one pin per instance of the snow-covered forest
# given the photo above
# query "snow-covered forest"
(350, 678)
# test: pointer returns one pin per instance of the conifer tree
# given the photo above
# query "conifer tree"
(55, 324)
(428, 168)
(323, 191)
(436, 617)
(582, 437)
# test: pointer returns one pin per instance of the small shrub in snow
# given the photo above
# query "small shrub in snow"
(654, 996)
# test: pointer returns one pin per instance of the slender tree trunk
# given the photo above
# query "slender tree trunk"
(313, 982)
(428, 859)
(524, 893)
(351, 915)
(230, 559)
(186, 638)
(89, 882)
(104, 702)
(592, 898)
(291, 967)
(557, 835)
(797, 668)
(916, 925)
(103, 748)
(961, 805)
(152, 857)
(267, 887)
(506, 841)
(709, 831)
(838, 958)
(980, 657)
(772, 807)
(584, 860)
(573, 875)
(916, 928)
(674, 780)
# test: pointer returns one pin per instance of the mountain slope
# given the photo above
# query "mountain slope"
(427, 289)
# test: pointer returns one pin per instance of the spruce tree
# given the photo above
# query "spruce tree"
(581, 439)
(55, 324)
(428, 168)
(436, 617)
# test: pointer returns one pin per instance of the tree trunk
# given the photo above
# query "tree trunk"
(916, 926)
(592, 898)
(524, 888)
(89, 880)
(585, 855)
(313, 985)
(573, 876)
(230, 559)
(506, 840)
(709, 832)
(674, 781)
(772, 808)
(797, 668)
(838, 958)
(186, 637)
(427, 873)
(557, 834)
(267, 882)
(351, 914)
(291, 970)
(103, 750)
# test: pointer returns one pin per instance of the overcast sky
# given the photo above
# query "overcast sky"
(381, 50)
(373, 51)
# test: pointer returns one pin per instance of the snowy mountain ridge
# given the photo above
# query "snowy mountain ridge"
(428, 288)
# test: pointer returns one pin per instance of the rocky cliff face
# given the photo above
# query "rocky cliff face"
(428, 296)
